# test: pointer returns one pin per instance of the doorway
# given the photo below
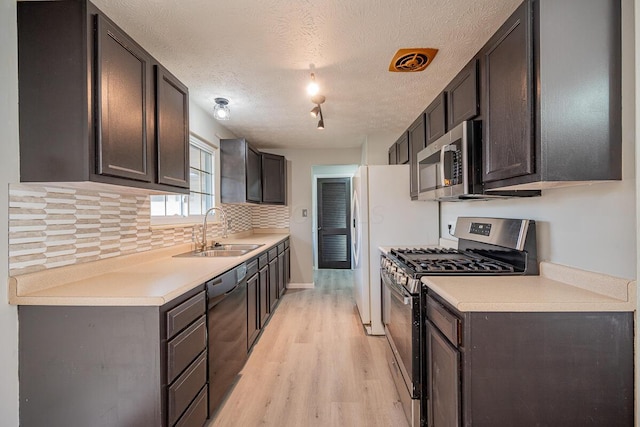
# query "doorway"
(334, 217)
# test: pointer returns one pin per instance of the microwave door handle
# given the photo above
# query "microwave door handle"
(442, 171)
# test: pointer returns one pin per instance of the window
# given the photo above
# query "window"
(183, 209)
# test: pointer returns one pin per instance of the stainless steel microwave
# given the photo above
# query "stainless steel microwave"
(450, 167)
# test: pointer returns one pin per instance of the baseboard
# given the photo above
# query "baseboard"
(301, 285)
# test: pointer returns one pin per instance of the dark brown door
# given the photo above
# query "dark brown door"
(508, 118)
(435, 117)
(402, 145)
(273, 178)
(416, 136)
(443, 370)
(172, 129)
(334, 216)
(273, 284)
(463, 102)
(123, 94)
(254, 175)
(263, 295)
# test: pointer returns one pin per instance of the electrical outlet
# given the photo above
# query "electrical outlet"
(304, 213)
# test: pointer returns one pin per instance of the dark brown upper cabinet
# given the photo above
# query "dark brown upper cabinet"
(240, 172)
(508, 120)
(172, 129)
(87, 103)
(393, 154)
(124, 111)
(463, 99)
(416, 135)
(402, 147)
(551, 114)
(273, 179)
(436, 118)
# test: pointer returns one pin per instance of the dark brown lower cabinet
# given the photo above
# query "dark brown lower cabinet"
(253, 306)
(263, 293)
(273, 279)
(527, 368)
(133, 366)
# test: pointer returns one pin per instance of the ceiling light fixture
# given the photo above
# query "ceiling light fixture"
(312, 87)
(317, 110)
(221, 110)
(321, 121)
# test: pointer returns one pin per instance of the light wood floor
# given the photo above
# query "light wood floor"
(314, 366)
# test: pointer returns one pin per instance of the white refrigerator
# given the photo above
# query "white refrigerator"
(384, 215)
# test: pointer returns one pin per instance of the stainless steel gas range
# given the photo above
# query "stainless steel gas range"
(486, 246)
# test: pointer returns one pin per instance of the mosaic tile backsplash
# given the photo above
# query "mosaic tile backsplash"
(52, 227)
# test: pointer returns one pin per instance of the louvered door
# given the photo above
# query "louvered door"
(334, 216)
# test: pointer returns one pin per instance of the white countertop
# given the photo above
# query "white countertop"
(557, 288)
(150, 278)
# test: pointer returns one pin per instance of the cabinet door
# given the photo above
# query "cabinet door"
(287, 267)
(273, 284)
(252, 309)
(416, 136)
(402, 145)
(172, 129)
(254, 175)
(508, 144)
(436, 118)
(463, 101)
(263, 296)
(443, 373)
(393, 157)
(123, 100)
(273, 179)
(281, 275)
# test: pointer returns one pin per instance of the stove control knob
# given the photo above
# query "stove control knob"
(403, 279)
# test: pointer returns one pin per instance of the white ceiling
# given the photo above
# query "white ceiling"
(259, 54)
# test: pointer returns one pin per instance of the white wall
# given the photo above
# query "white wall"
(299, 197)
(375, 148)
(8, 173)
(588, 227)
(637, 159)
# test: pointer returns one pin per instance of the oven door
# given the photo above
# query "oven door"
(401, 318)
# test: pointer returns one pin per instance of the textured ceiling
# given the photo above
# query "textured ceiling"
(259, 54)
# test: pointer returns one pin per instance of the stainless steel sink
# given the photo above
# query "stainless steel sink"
(235, 247)
(226, 250)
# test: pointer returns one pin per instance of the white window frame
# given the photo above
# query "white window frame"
(159, 222)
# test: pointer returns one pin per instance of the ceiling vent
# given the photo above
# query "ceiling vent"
(412, 60)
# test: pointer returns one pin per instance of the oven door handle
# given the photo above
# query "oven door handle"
(393, 288)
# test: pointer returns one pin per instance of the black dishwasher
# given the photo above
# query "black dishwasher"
(227, 327)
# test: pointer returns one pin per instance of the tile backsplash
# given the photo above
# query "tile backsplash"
(52, 226)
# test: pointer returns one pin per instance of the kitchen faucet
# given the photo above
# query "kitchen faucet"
(203, 242)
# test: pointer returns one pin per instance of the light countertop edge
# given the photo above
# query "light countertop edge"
(558, 288)
(150, 278)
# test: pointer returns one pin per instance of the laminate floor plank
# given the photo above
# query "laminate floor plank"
(315, 366)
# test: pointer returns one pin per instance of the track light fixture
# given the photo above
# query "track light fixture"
(221, 110)
(317, 110)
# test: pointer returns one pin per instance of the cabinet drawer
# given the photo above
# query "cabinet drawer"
(252, 268)
(286, 243)
(181, 316)
(445, 321)
(263, 260)
(185, 347)
(186, 387)
(273, 254)
(196, 415)
(281, 248)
